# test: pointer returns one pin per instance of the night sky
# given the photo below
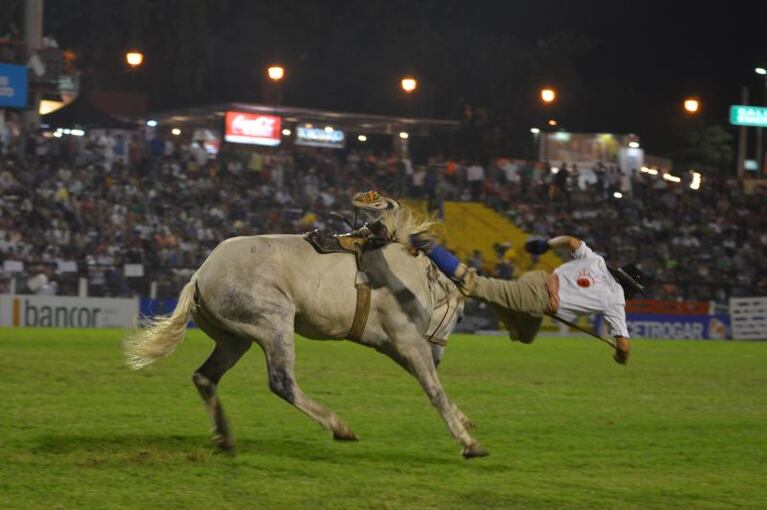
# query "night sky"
(618, 66)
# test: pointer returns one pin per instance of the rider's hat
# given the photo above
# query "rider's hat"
(630, 277)
(374, 201)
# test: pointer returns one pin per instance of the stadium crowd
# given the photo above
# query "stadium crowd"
(106, 199)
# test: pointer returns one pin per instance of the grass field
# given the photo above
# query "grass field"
(684, 425)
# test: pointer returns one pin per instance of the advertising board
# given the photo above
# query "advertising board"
(150, 308)
(13, 86)
(252, 128)
(671, 326)
(583, 149)
(67, 312)
(320, 137)
(749, 318)
(743, 115)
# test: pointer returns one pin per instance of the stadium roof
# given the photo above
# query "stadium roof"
(357, 122)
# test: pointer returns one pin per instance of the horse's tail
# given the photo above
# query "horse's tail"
(161, 335)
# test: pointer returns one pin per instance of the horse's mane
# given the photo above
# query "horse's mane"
(404, 221)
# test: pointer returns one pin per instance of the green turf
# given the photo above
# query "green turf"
(683, 426)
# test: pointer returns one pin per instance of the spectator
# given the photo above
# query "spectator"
(475, 175)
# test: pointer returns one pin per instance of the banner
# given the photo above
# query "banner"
(150, 308)
(13, 86)
(670, 326)
(320, 137)
(584, 149)
(749, 318)
(252, 128)
(67, 312)
(656, 306)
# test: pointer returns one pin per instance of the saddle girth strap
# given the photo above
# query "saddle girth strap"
(362, 309)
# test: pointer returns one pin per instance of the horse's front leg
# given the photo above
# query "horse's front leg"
(416, 358)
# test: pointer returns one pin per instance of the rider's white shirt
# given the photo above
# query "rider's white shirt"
(586, 287)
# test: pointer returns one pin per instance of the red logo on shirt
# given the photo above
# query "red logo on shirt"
(584, 279)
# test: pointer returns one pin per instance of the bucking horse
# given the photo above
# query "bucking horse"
(266, 288)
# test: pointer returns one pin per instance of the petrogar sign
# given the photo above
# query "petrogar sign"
(683, 327)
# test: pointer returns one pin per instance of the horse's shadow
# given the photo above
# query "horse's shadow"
(198, 448)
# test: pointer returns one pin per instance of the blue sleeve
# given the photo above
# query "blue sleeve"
(446, 261)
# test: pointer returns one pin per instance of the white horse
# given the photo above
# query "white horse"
(265, 288)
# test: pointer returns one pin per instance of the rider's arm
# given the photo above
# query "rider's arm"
(622, 349)
(615, 317)
(569, 242)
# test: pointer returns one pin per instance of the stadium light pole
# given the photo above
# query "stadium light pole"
(409, 84)
(135, 59)
(536, 134)
(276, 73)
(761, 71)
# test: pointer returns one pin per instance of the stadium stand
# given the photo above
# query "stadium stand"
(86, 206)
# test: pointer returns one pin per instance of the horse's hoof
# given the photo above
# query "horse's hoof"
(225, 445)
(474, 450)
(344, 436)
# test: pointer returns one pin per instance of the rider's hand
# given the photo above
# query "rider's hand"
(537, 246)
(622, 350)
(422, 241)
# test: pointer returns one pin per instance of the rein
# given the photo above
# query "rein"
(444, 301)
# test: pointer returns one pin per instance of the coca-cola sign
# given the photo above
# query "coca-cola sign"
(252, 128)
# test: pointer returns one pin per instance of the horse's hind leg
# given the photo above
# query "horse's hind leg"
(276, 339)
(229, 349)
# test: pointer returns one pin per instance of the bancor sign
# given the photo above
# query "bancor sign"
(252, 128)
(741, 115)
(67, 312)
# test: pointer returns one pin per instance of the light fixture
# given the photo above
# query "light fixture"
(648, 170)
(134, 58)
(695, 184)
(634, 145)
(175, 131)
(535, 131)
(286, 132)
(671, 178)
(151, 123)
(760, 70)
(618, 194)
(362, 138)
(409, 84)
(276, 72)
(328, 129)
(548, 95)
(691, 105)
(404, 135)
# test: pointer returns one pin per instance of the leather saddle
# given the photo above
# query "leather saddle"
(356, 246)
(324, 243)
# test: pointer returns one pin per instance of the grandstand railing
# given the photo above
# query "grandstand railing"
(96, 280)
